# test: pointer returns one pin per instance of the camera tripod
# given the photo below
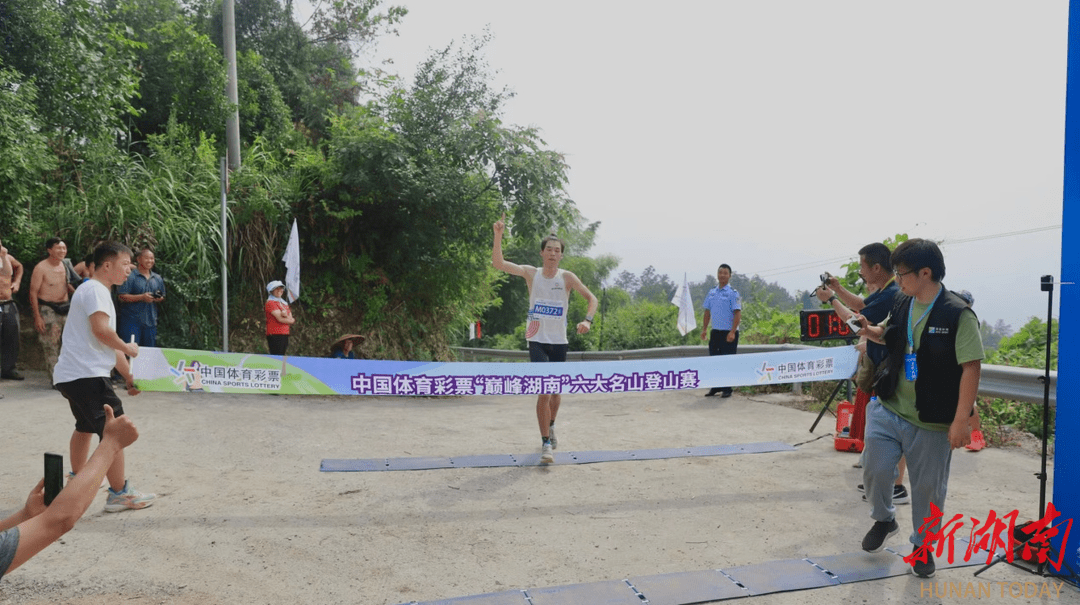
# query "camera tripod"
(839, 384)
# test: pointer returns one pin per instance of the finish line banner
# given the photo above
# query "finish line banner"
(178, 370)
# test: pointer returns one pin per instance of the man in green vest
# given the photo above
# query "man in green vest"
(925, 398)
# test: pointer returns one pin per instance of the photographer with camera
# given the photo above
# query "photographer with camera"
(140, 296)
(875, 268)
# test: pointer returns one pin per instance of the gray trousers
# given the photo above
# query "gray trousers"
(928, 453)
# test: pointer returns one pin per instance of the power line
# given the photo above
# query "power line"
(948, 242)
(998, 235)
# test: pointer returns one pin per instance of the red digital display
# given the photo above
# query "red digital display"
(823, 324)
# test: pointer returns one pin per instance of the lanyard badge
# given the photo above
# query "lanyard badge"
(911, 365)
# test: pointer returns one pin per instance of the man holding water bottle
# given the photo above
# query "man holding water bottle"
(91, 349)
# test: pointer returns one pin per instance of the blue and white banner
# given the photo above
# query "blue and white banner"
(205, 371)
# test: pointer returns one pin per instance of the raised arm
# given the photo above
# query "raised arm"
(497, 259)
(849, 299)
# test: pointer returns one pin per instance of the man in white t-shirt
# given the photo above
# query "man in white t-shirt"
(549, 300)
(91, 349)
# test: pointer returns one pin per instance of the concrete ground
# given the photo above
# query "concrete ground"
(245, 516)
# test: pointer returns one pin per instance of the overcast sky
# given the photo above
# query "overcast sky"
(781, 136)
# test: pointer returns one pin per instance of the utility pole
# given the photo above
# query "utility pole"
(232, 125)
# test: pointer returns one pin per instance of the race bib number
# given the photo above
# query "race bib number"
(546, 309)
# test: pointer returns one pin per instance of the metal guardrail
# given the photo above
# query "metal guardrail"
(1006, 382)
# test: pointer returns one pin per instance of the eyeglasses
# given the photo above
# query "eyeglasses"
(899, 275)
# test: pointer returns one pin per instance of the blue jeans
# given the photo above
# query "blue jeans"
(145, 336)
(928, 453)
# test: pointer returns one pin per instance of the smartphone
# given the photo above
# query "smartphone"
(54, 476)
(853, 324)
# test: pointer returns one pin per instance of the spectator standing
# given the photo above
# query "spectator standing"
(279, 318)
(140, 296)
(11, 273)
(723, 312)
(49, 295)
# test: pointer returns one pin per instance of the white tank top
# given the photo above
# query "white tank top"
(547, 309)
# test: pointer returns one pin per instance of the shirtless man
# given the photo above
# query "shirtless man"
(49, 291)
(549, 298)
(11, 274)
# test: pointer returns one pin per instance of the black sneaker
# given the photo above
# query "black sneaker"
(874, 540)
(725, 394)
(712, 392)
(899, 494)
(13, 375)
(924, 570)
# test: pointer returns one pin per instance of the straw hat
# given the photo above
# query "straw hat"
(340, 343)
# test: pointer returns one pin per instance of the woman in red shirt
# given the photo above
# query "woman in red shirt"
(278, 319)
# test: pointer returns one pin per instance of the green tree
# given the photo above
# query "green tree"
(642, 325)
(81, 62)
(992, 335)
(1027, 348)
(263, 112)
(26, 159)
(183, 76)
(654, 287)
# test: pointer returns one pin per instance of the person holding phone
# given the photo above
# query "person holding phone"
(875, 269)
(140, 297)
(35, 526)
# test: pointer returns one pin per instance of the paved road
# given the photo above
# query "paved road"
(246, 517)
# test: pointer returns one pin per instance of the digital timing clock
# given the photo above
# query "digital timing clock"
(823, 324)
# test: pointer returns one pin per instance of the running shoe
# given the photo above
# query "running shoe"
(547, 456)
(128, 499)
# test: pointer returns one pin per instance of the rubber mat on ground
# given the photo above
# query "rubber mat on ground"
(960, 555)
(860, 566)
(362, 465)
(509, 597)
(780, 576)
(485, 461)
(417, 464)
(687, 587)
(610, 592)
(332, 465)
